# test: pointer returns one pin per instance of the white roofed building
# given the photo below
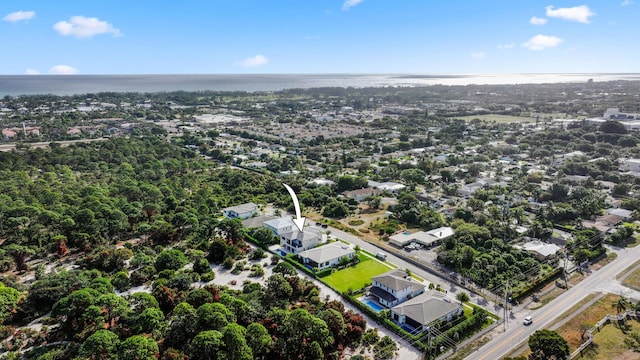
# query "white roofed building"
(540, 249)
(426, 238)
(280, 225)
(242, 211)
(296, 241)
(326, 256)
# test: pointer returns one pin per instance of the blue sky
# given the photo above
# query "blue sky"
(318, 36)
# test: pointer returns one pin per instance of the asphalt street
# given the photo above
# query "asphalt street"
(602, 280)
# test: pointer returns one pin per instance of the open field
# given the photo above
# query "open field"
(608, 344)
(502, 119)
(572, 330)
(505, 119)
(355, 277)
(633, 279)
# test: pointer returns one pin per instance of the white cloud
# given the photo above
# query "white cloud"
(350, 3)
(63, 70)
(19, 16)
(479, 55)
(537, 21)
(626, 3)
(255, 61)
(507, 46)
(85, 27)
(30, 71)
(577, 13)
(541, 42)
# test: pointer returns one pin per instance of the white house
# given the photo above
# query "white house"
(394, 287)
(389, 186)
(540, 249)
(424, 309)
(242, 211)
(296, 241)
(280, 225)
(426, 238)
(361, 194)
(631, 165)
(326, 256)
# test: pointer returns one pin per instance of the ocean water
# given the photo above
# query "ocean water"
(15, 85)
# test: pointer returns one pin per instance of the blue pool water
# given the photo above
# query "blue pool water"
(373, 305)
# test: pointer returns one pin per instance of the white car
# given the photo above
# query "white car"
(528, 320)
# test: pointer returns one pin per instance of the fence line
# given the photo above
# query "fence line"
(596, 328)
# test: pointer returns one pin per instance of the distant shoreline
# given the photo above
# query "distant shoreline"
(17, 85)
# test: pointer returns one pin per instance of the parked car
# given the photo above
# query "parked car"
(528, 320)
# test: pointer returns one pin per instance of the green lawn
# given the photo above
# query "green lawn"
(498, 118)
(355, 277)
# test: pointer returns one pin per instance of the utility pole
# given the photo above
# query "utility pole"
(506, 305)
(564, 269)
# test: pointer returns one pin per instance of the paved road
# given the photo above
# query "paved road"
(603, 280)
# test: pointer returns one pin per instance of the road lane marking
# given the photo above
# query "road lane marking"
(502, 343)
(551, 311)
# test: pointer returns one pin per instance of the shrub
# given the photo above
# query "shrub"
(228, 262)
(206, 277)
(171, 259)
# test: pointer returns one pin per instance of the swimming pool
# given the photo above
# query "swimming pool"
(372, 304)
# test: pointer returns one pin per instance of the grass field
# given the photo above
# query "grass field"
(355, 277)
(572, 329)
(633, 280)
(510, 118)
(503, 119)
(609, 343)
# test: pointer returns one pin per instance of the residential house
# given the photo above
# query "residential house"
(539, 249)
(323, 257)
(560, 237)
(424, 309)
(631, 165)
(426, 238)
(242, 211)
(389, 186)
(280, 225)
(296, 241)
(8, 134)
(561, 158)
(394, 287)
(361, 194)
(468, 189)
(321, 182)
(625, 214)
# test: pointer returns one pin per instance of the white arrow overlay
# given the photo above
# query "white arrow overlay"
(299, 220)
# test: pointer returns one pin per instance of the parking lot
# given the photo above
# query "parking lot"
(421, 253)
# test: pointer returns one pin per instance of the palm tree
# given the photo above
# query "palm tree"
(621, 305)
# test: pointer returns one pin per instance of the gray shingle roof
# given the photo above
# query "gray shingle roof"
(396, 282)
(328, 252)
(426, 307)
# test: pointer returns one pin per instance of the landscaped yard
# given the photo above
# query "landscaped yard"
(355, 277)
